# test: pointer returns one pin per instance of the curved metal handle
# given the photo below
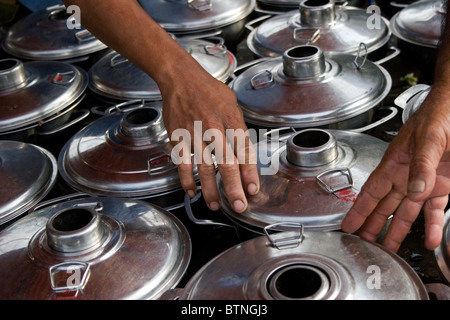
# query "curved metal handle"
(119, 107)
(268, 12)
(402, 100)
(190, 214)
(306, 35)
(439, 290)
(116, 60)
(183, 204)
(285, 239)
(84, 113)
(284, 137)
(58, 200)
(200, 5)
(249, 25)
(201, 35)
(375, 124)
(79, 280)
(396, 52)
(356, 62)
(332, 189)
(398, 5)
(84, 36)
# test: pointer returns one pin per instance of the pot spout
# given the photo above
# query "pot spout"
(311, 148)
(303, 62)
(317, 13)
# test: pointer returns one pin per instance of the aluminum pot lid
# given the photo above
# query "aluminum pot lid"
(28, 173)
(310, 177)
(126, 154)
(115, 77)
(197, 15)
(47, 35)
(313, 265)
(420, 23)
(307, 88)
(442, 252)
(33, 91)
(411, 99)
(335, 29)
(93, 248)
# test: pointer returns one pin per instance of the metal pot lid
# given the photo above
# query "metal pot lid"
(45, 35)
(197, 15)
(420, 23)
(442, 252)
(411, 99)
(333, 28)
(115, 77)
(93, 248)
(29, 172)
(311, 177)
(306, 88)
(292, 265)
(126, 154)
(32, 91)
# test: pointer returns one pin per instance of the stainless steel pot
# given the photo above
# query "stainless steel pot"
(44, 35)
(333, 28)
(417, 30)
(114, 77)
(224, 18)
(28, 173)
(310, 265)
(38, 97)
(308, 88)
(126, 153)
(420, 23)
(93, 248)
(311, 177)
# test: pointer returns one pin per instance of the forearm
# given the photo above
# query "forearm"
(125, 27)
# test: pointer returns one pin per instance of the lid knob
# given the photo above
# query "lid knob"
(12, 73)
(311, 148)
(316, 13)
(303, 62)
(75, 229)
(141, 123)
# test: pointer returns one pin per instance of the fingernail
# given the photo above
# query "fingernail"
(214, 206)
(417, 186)
(252, 188)
(191, 193)
(238, 205)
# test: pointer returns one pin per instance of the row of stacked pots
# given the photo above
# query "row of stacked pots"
(123, 180)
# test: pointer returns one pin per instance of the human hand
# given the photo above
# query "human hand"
(201, 104)
(414, 174)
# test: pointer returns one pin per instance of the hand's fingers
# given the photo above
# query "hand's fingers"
(231, 177)
(434, 221)
(207, 174)
(246, 156)
(391, 173)
(401, 223)
(229, 171)
(207, 169)
(373, 191)
(377, 220)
